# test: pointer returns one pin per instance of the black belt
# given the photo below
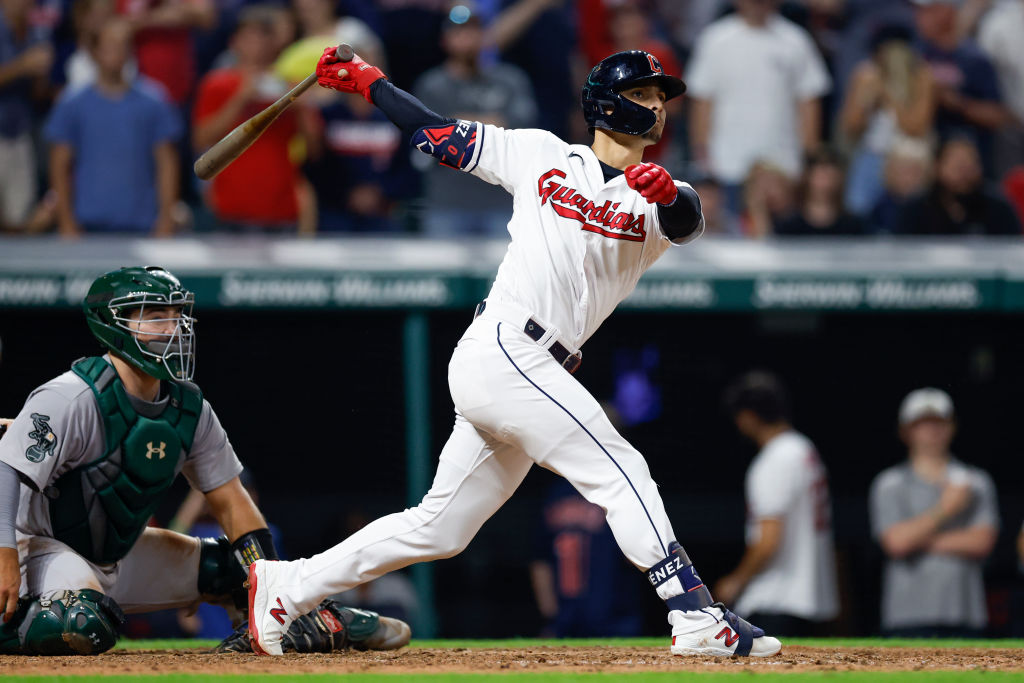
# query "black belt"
(534, 331)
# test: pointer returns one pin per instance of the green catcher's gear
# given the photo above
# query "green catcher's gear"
(329, 628)
(101, 508)
(117, 301)
(82, 622)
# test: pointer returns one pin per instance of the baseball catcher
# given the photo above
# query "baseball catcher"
(87, 461)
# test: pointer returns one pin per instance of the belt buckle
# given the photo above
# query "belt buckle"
(572, 363)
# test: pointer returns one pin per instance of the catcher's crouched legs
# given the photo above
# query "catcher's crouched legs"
(329, 628)
(82, 622)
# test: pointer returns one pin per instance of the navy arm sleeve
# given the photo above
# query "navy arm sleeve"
(682, 217)
(404, 110)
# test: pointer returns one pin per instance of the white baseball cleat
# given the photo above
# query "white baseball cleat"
(270, 611)
(726, 636)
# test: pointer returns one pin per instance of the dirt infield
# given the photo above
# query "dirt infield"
(537, 659)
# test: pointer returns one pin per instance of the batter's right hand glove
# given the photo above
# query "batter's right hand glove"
(355, 76)
(653, 182)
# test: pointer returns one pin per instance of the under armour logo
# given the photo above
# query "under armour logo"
(150, 450)
(728, 635)
(279, 612)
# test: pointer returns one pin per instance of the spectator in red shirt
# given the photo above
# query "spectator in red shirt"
(262, 189)
(164, 41)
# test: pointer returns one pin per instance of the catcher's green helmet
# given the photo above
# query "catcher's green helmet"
(117, 302)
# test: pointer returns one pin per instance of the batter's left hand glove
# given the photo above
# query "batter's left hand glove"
(329, 628)
(653, 182)
(355, 76)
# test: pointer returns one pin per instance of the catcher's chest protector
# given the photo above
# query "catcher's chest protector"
(101, 508)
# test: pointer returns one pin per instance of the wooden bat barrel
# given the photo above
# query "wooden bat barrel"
(231, 146)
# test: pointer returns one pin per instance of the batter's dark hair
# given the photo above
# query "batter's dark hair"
(760, 392)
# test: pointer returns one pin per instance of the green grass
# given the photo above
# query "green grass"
(617, 642)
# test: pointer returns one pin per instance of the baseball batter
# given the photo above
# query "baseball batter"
(88, 460)
(587, 223)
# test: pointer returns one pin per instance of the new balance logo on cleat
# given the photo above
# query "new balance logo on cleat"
(729, 635)
(279, 612)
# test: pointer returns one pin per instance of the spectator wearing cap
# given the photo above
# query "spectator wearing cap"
(959, 201)
(787, 577)
(969, 102)
(499, 94)
(936, 519)
(755, 85)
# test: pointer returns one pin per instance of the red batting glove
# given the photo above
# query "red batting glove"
(652, 182)
(355, 76)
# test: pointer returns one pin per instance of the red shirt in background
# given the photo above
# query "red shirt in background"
(164, 54)
(260, 186)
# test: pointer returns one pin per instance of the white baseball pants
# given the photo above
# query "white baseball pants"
(515, 406)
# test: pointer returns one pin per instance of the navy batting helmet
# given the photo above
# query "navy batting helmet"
(604, 106)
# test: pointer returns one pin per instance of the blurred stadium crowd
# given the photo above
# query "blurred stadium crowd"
(809, 117)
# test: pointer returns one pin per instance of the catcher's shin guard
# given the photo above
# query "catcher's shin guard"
(82, 622)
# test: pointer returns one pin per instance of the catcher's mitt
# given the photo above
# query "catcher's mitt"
(329, 628)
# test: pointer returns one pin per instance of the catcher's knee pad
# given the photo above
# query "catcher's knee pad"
(82, 622)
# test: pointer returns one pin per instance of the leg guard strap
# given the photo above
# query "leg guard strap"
(746, 631)
(690, 592)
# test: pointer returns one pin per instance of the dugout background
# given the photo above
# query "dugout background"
(313, 403)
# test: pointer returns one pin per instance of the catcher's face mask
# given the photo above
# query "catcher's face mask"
(163, 333)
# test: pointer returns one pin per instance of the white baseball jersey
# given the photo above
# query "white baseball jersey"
(579, 244)
(787, 481)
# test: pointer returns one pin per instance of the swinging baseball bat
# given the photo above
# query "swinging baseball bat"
(231, 146)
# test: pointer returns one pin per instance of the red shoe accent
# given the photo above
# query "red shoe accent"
(728, 635)
(279, 612)
(254, 633)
